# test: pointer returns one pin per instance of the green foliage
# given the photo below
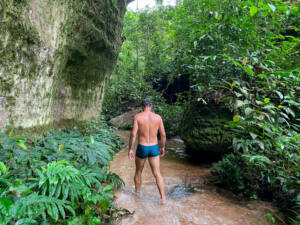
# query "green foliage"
(63, 181)
(73, 146)
(124, 94)
(113, 179)
(56, 177)
(141, 64)
(171, 115)
(265, 161)
(250, 51)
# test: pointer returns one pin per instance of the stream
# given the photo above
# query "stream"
(190, 200)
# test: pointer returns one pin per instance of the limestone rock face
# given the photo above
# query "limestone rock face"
(202, 128)
(55, 58)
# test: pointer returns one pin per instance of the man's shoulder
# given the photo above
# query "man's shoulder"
(136, 116)
(141, 115)
(156, 116)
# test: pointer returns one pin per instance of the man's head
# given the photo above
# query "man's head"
(146, 103)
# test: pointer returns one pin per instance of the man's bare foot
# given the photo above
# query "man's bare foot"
(137, 193)
(163, 201)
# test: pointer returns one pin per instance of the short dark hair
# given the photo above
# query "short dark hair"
(147, 102)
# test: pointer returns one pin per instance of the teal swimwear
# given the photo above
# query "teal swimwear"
(144, 151)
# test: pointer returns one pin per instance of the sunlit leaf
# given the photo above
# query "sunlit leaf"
(61, 147)
(236, 118)
(272, 7)
(21, 143)
(279, 94)
(249, 3)
(11, 132)
(253, 135)
(266, 100)
(253, 10)
(107, 188)
(92, 141)
(271, 217)
(249, 70)
(3, 168)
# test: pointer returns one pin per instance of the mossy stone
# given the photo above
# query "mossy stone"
(203, 128)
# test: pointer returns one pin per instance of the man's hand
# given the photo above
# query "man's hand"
(162, 151)
(131, 154)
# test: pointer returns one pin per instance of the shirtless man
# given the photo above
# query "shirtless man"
(147, 124)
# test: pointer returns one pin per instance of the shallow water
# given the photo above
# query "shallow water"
(189, 199)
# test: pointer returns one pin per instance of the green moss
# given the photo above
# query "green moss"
(16, 35)
(11, 101)
(40, 130)
(203, 128)
(6, 84)
(75, 43)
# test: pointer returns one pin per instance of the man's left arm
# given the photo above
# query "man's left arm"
(162, 133)
(132, 138)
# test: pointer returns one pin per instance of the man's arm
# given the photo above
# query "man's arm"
(132, 138)
(162, 133)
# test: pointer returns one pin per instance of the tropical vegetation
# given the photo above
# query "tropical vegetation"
(243, 54)
(59, 178)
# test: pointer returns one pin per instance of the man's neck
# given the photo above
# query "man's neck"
(147, 109)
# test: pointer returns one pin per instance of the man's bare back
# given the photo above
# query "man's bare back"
(147, 124)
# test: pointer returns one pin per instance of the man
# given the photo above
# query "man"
(147, 124)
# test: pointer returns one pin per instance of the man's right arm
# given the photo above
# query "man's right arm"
(132, 138)
(163, 138)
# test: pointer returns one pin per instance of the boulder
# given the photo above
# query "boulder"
(203, 131)
(125, 120)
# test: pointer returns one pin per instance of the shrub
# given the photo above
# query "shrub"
(265, 160)
(56, 178)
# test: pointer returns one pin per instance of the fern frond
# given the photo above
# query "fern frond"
(36, 205)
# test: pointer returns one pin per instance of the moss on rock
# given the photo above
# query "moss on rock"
(55, 57)
(202, 128)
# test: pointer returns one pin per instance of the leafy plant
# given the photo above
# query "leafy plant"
(64, 181)
(36, 188)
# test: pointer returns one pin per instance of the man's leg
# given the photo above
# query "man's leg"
(139, 166)
(154, 163)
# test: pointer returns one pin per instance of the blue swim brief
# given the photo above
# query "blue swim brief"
(144, 151)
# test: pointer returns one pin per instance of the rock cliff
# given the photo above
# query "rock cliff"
(55, 58)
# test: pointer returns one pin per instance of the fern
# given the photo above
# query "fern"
(76, 148)
(113, 179)
(65, 182)
(61, 180)
(26, 221)
(55, 176)
(31, 207)
(36, 205)
(3, 168)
